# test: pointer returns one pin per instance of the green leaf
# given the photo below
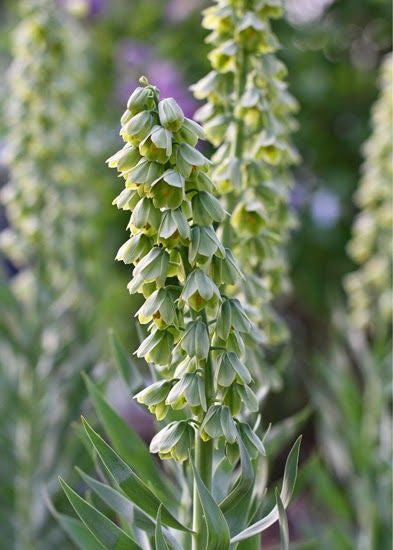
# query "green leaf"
(116, 501)
(283, 522)
(138, 492)
(126, 366)
(78, 533)
(288, 485)
(244, 482)
(105, 531)
(217, 527)
(75, 529)
(125, 441)
(159, 536)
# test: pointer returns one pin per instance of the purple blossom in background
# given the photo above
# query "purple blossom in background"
(325, 208)
(133, 53)
(299, 196)
(135, 59)
(178, 10)
(90, 9)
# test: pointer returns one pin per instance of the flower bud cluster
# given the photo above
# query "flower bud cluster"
(248, 117)
(369, 288)
(47, 117)
(196, 333)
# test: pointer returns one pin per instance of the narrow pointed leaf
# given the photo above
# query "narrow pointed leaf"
(283, 522)
(75, 529)
(244, 482)
(125, 441)
(132, 485)
(159, 536)
(105, 531)
(217, 528)
(116, 501)
(79, 533)
(288, 485)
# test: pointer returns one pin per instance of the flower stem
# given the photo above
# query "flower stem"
(203, 464)
(203, 460)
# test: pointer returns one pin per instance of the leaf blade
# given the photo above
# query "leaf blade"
(217, 527)
(288, 485)
(104, 530)
(125, 441)
(159, 536)
(137, 491)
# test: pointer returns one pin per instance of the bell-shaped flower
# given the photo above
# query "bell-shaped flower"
(251, 441)
(234, 342)
(251, 109)
(218, 422)
(174, 226)
(184, 364)
(219, 18)
(157, 146)
(144, 173)
(173, 441)
(206, 209)
(270, 149)
(154, 266)
(127, 199)
(201, 182)
(232, 316)
(134, 249)
(225, 270)
(141, 99)
(125, 159)
(168, 191)
(170, 114)
(223, 57)
(188, 158)
(195, 340)
(227, 174)
(160, 307)
(229, 368)
(238, 395)
(190, 389)
(138, 127)
(206, 86)
(145, 217)
(248, 218)
(272, 9)
(199, 291)
(190, 132)
(204, 244)
(250, 30)
(154, 397)
(157, 347)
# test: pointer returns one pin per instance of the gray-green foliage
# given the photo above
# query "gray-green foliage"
(369, 288)
(351, 479)
(45, 331)
(351, 387)
(248, 117)
(195, 347)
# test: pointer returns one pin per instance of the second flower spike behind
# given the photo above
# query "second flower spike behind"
(195, 332)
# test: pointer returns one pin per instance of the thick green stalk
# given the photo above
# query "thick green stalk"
(203, 460)
(203, 464)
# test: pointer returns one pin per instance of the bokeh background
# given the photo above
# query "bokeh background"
(333, 50)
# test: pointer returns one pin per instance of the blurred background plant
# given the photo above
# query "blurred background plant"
(332, 51)
(351, 388)
(51, 308)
